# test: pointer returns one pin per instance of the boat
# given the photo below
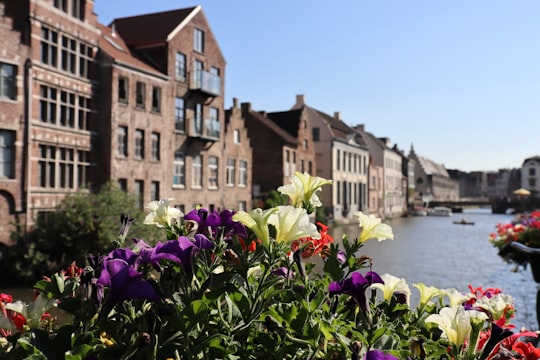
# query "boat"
(464, 222)
(440, 211)
(419, 212)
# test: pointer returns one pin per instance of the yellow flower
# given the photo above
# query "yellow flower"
(257, 221)
(161, 214)
(372, 228)
(427, 293)
(292, 223)
(302, 189)
(455, 322)
(106, 339)
(393, 284)
(455, 296)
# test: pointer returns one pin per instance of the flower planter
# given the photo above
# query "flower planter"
(528, 254)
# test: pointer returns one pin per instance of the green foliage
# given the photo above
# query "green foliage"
(83, 223)
(275, 198)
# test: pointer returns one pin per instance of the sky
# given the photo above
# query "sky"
(457, 80)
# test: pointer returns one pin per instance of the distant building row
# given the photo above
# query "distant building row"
(82, 104)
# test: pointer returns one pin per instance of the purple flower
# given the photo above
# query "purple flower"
(356, 286)
(210, 221)
(379, 355)
(230, 226)
(283, 272)
(341, 257)
(124, 282)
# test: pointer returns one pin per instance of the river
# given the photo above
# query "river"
(435, 251)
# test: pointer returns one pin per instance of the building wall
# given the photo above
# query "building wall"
(530, 175)
(393, 188)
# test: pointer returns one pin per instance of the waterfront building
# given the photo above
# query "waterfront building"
(388, 192)
(47, 122)
(84, 103)
(530, 175)
(342, 156)
(433, 183)
(281, 144)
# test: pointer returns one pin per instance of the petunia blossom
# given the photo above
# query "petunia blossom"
(356, 285)
(455, 323)
(372, 228)
(161, 214)
(292, 223)
(394, 286)
(302, 189)
(379, 355)
(257, 221)
(124, 282)
(427, 293)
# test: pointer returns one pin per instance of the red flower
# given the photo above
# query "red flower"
(312, 246)
(527, 350)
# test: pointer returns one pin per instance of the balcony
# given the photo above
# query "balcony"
(206, 83)
(207, 129)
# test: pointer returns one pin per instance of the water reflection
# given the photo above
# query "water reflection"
(439, 253)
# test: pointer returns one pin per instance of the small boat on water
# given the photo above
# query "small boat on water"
(464, 222)
(439, 211)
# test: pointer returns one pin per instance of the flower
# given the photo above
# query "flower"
(372, 228)
(311, 246)
(302, 190)
(427, 293)
(257, 221)
(379, 355)
(161, 214)
(455, 323)
(124, 282)
(356, 285)
(292, 223)
(394, 286)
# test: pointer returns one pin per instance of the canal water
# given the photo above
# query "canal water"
(435, 251)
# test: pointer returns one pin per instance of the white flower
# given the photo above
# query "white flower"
(392, 285)
(161, 214)
(302, 189)
(455, 322)
(496, 305)
(257, 221)
(372, 228)
(427, 293)
(292, 223)
(456, 297)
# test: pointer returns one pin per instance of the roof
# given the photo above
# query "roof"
(112, 44)
(431, 167)
(153, 28)
(287, 120)
(270, 125)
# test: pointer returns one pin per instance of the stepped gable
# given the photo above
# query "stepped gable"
(151, 28)
(287, 120)
(112, 44)
(432, 168)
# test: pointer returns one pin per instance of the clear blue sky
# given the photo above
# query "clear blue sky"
(459, 80)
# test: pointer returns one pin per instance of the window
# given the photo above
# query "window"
(49, 47)
(156, 153)
(212, 126)
(85, 59)
(180, 66)
(197, 125)
(47, 104)
(122, 184)
(305, 144)
(156, 99)
(338, 159)
(7, 154)
(68, 54)
(286, 165)
(310, 167)
(74, 8)
(242, 206)
(140, 95)
(139, 144)
(123, 89)
(122, 139)
(198, 67)
(139, 192)
(242, 173)
(532, 182)
(62, 168)
(8, 85)
(46, 166)
(198, 40)
(293, 162)
(316, 134)
(213, 172)
(196, 180)
(67, 109)
(154, 190)
(215, 80)
(236, 136)
(83, 165)
(231, 169)
(61, 4)
(532, 171)
(302, 166)
(66, 168)
(179, 118)
(179, 169)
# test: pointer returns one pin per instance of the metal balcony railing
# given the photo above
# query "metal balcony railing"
(209, 129)
(205, 82)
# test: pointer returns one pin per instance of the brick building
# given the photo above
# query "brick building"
(83, 103)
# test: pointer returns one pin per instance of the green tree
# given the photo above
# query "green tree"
(83, 223)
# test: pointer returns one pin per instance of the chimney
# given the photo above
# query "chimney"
(360, 127)
(246, 107)
(300, 100)
(113, 30)
(336, 115)
(235, 103)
